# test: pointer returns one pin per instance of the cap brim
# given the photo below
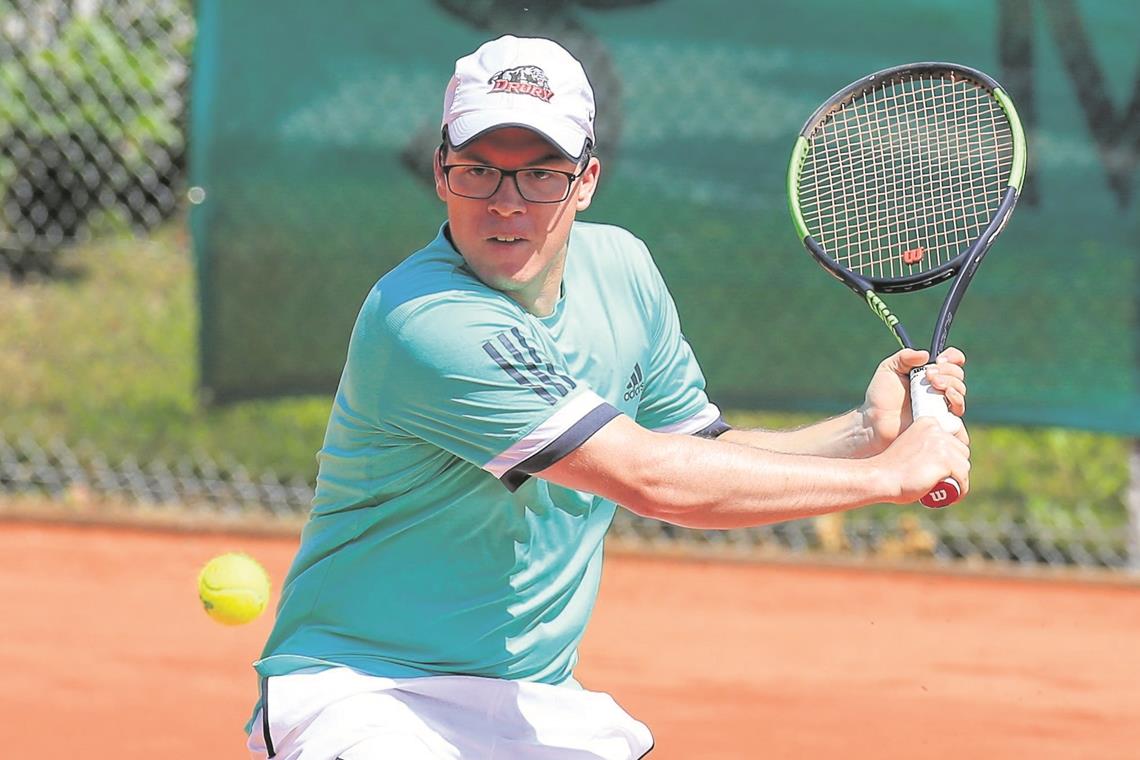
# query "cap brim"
(564, 136)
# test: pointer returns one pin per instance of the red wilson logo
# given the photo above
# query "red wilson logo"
(523, 80)
(914, 255)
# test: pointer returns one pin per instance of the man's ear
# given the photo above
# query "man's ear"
(588, 184)
(437, 170)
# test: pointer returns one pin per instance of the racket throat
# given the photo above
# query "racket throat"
(889, 319)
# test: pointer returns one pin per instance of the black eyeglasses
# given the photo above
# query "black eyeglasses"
(534, 185)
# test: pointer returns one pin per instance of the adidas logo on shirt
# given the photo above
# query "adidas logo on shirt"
(636, 384)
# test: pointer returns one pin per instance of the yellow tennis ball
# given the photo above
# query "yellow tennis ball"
(234, 588)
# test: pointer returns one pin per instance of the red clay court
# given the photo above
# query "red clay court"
(106, 654)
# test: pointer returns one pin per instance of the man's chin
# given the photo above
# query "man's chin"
(506, 280)
(505, 283)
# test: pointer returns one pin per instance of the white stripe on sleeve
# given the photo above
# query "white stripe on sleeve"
(694, 424)
(546, 433)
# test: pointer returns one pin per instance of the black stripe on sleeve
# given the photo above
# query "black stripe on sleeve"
(575, 436)
(717, 428)
(534, 355)
(531, 366)
(544, 394)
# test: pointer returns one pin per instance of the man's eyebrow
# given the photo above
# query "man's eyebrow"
(549, 157)
(479, 158)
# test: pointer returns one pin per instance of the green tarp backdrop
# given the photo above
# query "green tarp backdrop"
(313, 127)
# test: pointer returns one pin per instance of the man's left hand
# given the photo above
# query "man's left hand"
(886, 408)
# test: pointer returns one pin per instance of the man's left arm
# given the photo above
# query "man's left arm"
(884, 414)
(845, 436)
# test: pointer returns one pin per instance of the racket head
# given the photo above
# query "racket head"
(902, 177)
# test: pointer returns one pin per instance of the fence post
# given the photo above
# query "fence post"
(1132, 501)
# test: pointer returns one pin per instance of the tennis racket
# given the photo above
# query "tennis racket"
(901, 181)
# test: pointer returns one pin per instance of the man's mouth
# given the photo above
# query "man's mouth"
(506, 238)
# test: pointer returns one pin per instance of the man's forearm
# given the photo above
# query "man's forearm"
(706, 484)
(845, 437)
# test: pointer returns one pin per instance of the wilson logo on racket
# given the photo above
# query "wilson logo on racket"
(524, 80)
(913, 256)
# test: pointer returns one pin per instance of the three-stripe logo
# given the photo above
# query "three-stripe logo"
(636, 383)
(521, 360)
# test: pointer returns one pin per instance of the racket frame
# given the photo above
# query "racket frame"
(965, 264)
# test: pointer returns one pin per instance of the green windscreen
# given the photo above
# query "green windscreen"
(313, 128)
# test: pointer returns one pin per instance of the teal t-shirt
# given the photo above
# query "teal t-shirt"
(430, 549)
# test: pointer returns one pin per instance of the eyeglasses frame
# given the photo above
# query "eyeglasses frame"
(513, 174)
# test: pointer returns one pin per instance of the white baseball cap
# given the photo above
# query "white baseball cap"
(520, 82)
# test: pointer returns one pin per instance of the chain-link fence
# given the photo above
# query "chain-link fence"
(93, 103)
(93, 97)
(86, 478)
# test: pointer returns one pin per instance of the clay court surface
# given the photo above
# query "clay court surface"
(105, 653)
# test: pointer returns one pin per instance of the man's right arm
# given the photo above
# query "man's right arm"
(711, 484)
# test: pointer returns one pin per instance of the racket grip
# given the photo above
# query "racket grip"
(925, 401)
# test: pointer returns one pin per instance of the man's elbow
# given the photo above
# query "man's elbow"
(644, 471)
(650, 483)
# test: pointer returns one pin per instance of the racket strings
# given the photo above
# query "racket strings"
(905, 177)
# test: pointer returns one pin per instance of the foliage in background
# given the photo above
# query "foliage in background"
(91, 121)
(91, 57)
(107, 354)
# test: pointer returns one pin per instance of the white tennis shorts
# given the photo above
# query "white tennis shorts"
(341, 713)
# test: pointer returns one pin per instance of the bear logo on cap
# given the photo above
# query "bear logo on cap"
(523, 80)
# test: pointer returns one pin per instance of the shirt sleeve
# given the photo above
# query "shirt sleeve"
(479, 384)
(674, 400)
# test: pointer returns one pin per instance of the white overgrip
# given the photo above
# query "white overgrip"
(927, 401)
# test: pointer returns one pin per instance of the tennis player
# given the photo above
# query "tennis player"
(505, 388)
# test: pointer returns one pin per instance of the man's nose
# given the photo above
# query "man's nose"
(507, 199)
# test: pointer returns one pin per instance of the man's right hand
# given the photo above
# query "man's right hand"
(923, 455)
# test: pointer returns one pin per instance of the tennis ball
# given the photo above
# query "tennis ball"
(234, 588)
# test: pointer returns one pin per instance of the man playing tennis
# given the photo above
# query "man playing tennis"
(505, 388)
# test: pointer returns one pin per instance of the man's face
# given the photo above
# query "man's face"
(511, 244)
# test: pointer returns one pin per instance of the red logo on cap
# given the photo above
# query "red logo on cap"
(523, 80)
